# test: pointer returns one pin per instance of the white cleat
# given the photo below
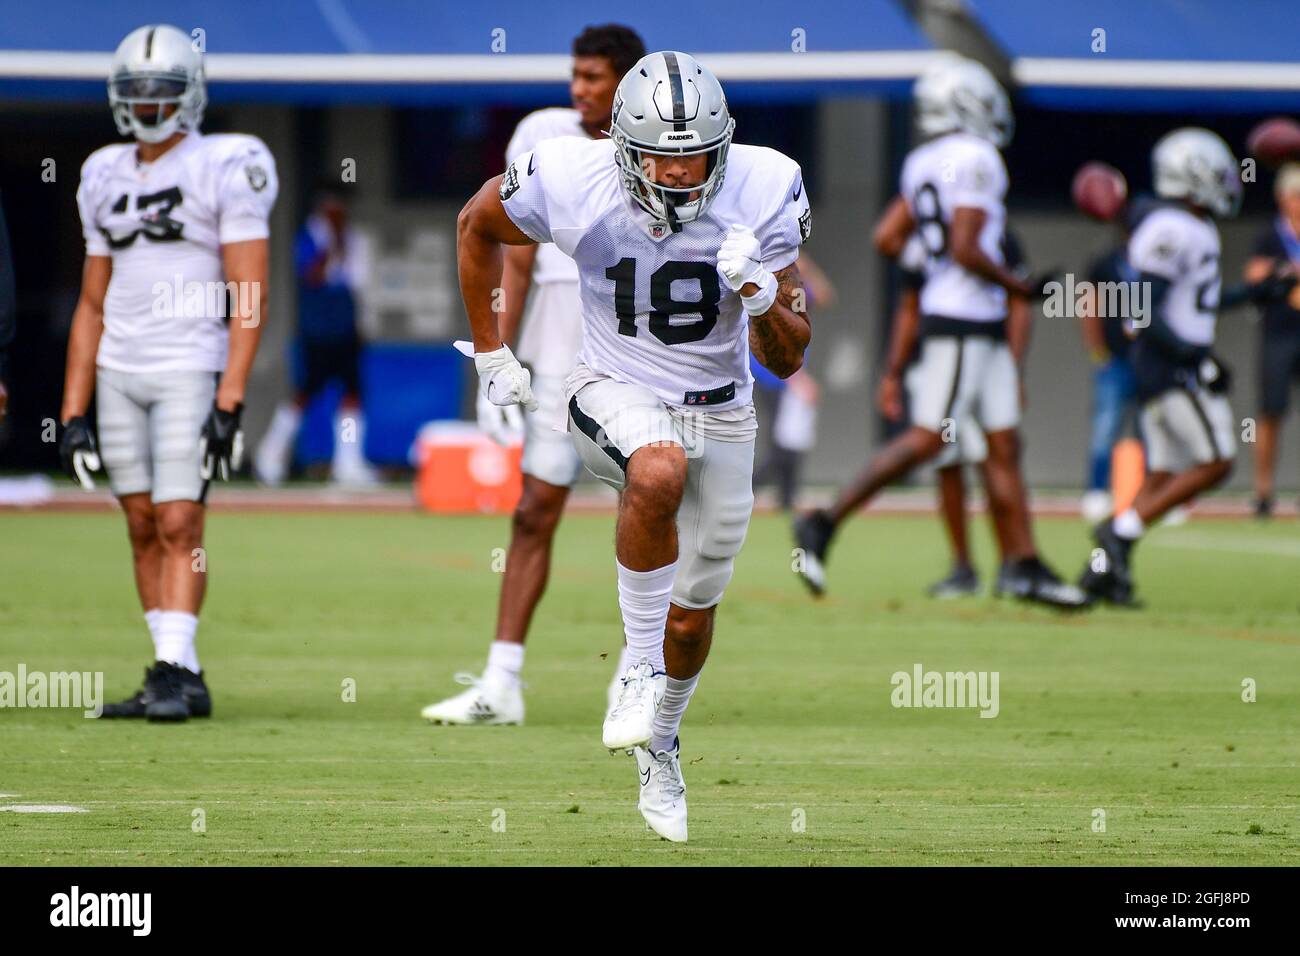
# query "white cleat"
(485, 703)
(630, 721)
(612, 693)
(663, 792)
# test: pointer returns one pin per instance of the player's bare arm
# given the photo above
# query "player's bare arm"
(482, 228)
(967, 223)
(780, 335)
(516, 279)
(893, 229)
(247, 265)
(902, 340)
(1020, 320)
(83, 342)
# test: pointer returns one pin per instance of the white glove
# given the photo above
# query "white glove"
(502, 423)
(501, 378)
(740, 260)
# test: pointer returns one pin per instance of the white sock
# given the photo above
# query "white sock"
(1128, 525)
(349, 458)
(151, 619)
(505, 663)
(174, 639)
(669, 716)
(276, 448)
(624, 661)
(643, 597)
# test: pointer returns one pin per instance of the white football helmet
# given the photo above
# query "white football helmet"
(960, 94)
(669, 104)
(157, 66)
(1196, 165)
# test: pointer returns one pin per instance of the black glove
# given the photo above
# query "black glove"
(221, 444)
(78, 451)
(1037, 283)
(1213, 375)
(1277, 285)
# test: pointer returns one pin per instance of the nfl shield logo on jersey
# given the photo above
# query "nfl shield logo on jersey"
(657, 230)
(256, 177)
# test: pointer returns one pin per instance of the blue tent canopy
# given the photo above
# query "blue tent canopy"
(1204, 55)
(405, 50)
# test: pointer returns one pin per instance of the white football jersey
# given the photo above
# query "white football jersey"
(551, 265)
(945, 174)
(164, 223)
(656, 311)
(1178, 245)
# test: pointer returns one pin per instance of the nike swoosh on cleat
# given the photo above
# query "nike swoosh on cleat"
(645, 777)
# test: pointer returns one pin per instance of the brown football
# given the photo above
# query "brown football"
(1275, 141)
(1099, 190)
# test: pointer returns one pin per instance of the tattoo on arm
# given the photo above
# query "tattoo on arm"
(779, 336)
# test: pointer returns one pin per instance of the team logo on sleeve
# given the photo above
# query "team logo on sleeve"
(805, 226)
(256, 177)
(509, 183)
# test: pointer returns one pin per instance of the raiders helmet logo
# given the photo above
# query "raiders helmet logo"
(509, 183)
(805, 226)
(256, 177)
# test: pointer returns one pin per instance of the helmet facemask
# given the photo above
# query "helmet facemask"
(674, 205)
(127, 91)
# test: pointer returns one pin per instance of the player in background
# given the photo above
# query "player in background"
(332, 260)
(953, 188)
(1186, 420)
(169, 212)
(686, 246)
(1101, 193)
(1277, 248)
(793, 432)
(970, 446)
(549, 342)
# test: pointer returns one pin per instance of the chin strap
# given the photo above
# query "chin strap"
(670, 213)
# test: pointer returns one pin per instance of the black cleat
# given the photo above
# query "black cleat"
(1263, 508)
(812, 534)
(1031, 580)
(1106, 576)
(962, 581)
(161, 698)
(195, 692)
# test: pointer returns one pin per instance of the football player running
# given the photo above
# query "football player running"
(686, 246)
(548, 342)
(1186, 419)
(953, 188)
(175, 226)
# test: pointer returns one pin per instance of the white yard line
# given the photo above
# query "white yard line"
(42, 808)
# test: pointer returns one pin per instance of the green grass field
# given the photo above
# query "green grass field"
(1139, 714)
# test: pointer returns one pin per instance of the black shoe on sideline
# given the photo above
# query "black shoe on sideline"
(812, 534)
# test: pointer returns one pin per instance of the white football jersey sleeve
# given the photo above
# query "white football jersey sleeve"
(551, 265)
(656, 311)
(163, 224)
(1177, 245)
(939, 177)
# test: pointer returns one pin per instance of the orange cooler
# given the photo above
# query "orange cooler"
(461, 471)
